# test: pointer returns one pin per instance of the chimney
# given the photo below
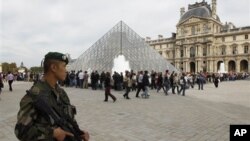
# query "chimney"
(182, 11)
(173, 35)
(148, 38)
(160, 36)
(214, 5)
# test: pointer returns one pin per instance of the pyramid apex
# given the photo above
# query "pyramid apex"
(121, 22)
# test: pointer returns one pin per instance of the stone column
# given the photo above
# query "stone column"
(177, 53)
(237, 65)
(177, 65)
(208, 66)
(249, 65)
(214, 66)
(226, 65)
(197, 66)
(197, 50)
(186, 66)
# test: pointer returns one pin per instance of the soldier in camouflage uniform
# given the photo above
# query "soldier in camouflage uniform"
(32, 125)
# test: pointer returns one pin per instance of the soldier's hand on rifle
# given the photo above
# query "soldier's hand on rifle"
(59, 134)
(85, 136)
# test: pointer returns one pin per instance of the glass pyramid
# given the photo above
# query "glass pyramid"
(121, 39)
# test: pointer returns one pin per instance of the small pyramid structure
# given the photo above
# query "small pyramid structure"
(121, 40)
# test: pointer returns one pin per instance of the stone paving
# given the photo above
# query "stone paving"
(198, 116)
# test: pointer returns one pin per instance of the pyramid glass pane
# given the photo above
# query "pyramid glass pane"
(121, 39)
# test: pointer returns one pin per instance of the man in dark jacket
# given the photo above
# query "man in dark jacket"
(145, 81)
(32, 124)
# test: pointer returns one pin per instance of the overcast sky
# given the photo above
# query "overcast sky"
(31, 28)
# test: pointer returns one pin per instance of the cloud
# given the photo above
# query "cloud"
(30, 29)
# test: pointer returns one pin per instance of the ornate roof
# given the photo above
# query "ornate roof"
(201, 10)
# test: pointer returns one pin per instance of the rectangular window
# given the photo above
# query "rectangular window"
(223, 51)
(204, 51)
(245, 49)
(205, 28)
(246, 36)
(192, 52)
(193, 30)
(182, 54)
(223, 39)
(234, 50)
(234, 38)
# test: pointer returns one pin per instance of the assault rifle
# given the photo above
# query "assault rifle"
(61, 120)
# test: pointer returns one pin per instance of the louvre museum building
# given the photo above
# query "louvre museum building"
(202, 42)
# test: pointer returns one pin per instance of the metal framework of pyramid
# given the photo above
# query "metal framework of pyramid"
(121, 39)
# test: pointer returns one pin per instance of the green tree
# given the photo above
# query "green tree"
(9, 67)
(36, 69)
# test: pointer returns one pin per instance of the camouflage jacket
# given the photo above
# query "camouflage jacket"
(31, 124)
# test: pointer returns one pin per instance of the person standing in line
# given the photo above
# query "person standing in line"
(96, 78)
(67, 80)
(102, 79)
(77, 80)
(85, 79)
(153, 85)
(81, 78)
(72, 77)
(92, 78)
(108, 88)
(10, 78)
(1, 84)
(133, 77)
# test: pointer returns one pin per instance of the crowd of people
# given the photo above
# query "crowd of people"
(173, 82)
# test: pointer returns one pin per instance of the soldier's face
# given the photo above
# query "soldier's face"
(61, 71)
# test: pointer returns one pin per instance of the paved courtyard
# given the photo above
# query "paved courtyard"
(199, 116)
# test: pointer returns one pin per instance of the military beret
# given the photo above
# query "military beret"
(56, 56)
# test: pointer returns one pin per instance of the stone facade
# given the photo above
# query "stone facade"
(202, 42)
